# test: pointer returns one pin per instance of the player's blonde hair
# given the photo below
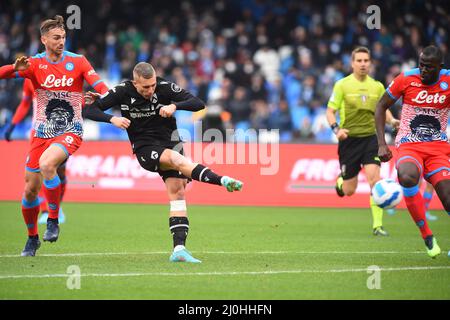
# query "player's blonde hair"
(144, 70)
(56, 22)
(360, 49)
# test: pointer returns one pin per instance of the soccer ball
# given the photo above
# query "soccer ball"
(387, 193)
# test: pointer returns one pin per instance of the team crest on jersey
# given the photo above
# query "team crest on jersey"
(175, 87)
(69, 66)
(444, 85)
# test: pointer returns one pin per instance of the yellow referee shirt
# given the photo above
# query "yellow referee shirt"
(356, 102)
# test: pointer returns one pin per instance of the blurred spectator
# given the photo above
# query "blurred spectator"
(239, 108)
(267, 63)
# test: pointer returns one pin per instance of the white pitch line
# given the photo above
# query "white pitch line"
(230, 273)
(81, 254)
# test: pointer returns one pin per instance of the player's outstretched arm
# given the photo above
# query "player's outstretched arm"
(9, 131)
(95, 110)
(8, 71)
(22, 109)
(19, 115)
(380, 120)
(25, 104)
(191, 104)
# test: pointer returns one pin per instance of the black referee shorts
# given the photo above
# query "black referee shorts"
(355, 152)
(148, 157)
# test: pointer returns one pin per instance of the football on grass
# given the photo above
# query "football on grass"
(387, 193)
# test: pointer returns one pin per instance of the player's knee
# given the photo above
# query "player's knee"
(170, 159)
(446, 201)
(31, 190)
(176, 189)
(372, 181)
(61, 173)
(47, 167)
(177, 192)
(408, 175)
(177, 160)
(408, 180)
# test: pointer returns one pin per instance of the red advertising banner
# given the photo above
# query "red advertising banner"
(273, 175)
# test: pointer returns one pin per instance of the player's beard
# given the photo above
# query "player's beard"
(428, 78)
(58, 51)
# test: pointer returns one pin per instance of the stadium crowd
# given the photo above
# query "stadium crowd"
(262, 64)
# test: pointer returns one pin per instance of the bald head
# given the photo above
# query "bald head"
(433, 53)
(430, 64)
(143, 70)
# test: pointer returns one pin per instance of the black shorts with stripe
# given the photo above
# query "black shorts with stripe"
(149, 156)
(355, 152)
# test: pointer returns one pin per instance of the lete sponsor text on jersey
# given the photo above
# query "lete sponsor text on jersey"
(52, 82)
(424, 97)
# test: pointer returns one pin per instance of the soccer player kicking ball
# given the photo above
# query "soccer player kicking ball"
(57, 76)
(28, 98)
(147, 105)
(422, 142)
(355, 97)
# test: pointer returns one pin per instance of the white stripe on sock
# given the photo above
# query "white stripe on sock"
(201, 173)
(179, 225)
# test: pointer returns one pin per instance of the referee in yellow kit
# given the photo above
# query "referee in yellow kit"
(355, 97)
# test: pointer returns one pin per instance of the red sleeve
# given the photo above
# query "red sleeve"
(7, 72)
(25, 103)
(395, 89)
(92, 77)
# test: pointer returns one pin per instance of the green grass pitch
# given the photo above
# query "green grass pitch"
(122, 251)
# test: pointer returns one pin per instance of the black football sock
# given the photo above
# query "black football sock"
(179, 227)
(204, 174)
